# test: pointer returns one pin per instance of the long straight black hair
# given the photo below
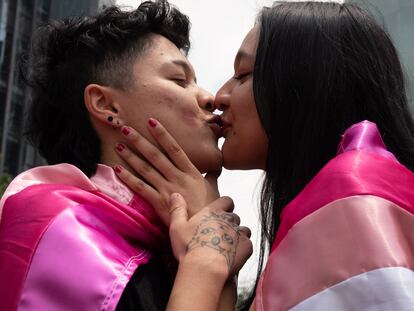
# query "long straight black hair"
(321, 67)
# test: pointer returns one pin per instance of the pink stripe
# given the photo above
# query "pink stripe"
(81, 263)
(351, 173)
(64, 174)
(343, 239)
(28, 214)
(364, 136)
(19, 235)
(108, 182)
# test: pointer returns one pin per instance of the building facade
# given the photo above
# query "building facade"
(18, 21)
(397, 17)
(19, 18)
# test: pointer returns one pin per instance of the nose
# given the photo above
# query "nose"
(223, 95)
(206, 100)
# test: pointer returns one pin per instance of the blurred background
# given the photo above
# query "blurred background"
(218, 28)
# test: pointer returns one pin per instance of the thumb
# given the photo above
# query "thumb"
(211, 178)
(178, 209)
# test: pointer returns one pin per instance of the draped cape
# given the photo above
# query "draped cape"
(68, 242)
(346, 242)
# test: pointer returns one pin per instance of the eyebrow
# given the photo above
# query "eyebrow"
(185, 67)
(241, 54)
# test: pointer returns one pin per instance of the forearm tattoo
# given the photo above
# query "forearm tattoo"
(217, 231)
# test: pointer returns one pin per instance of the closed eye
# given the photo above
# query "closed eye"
(242, 77)
(180, 81)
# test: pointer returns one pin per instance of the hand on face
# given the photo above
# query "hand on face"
(162, 174)
(212, 237)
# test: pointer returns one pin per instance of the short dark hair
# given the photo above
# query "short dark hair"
(321, 67)
(69, 54)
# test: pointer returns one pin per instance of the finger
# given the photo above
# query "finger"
(137, 185)
(244, 251)
(150, 152)
(145, 170)
(224, 204)
(246, 231)
(170, 145)
(178, 210)
(233, 218)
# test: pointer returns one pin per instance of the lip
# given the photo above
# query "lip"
(225, 127)
(216, 129)
(225, 130)
(215, 125)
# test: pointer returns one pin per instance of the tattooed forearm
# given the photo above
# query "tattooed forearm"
(219, 232)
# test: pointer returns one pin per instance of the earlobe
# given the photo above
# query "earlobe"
(115, 122)
(101, 106)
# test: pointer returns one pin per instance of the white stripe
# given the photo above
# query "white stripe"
(383, 289)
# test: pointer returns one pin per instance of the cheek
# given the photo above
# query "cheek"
(247, 145)
(174, 108)
(243, 105)
(180, 109)
(246, 149)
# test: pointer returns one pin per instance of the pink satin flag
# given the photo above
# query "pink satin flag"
(345, 242)
(72, 243)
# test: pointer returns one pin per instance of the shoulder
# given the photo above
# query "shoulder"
(60, 174)
(349, 174)
(348, 230)
(350, 254)
(37, 189)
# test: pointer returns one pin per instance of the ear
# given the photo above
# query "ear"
(99, 101)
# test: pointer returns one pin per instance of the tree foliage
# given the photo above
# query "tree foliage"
(4, 182)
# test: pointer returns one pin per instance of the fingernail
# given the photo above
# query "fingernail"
(118, 169)
(152, 122)
(126, 131)
(174, 198)
(120, 147)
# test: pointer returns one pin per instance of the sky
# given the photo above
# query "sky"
(218, 29)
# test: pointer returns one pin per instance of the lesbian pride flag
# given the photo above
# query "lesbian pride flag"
(346, 242)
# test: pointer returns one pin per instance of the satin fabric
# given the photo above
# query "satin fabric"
(71, 246)
(389, 289)
(355, 216)
(341, 240)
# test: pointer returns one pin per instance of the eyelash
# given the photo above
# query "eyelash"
(242, 76)
(181, 82)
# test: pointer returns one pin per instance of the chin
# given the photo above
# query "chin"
(242, 159)
(233, 161)
(237, 164)
(231, 165)
(209, 161)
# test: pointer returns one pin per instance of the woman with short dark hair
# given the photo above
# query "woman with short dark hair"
(72, 235)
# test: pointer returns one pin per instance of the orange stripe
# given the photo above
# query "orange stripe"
(343, 239)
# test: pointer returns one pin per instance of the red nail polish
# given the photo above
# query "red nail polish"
(152, 122)
(118, 169)
(120, 147)
(126, 131)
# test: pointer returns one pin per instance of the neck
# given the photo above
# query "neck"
(111, 158)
